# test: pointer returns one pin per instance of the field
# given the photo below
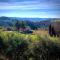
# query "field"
(36, 46)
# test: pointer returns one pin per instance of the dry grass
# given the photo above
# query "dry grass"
(41, 32)
(45, 36)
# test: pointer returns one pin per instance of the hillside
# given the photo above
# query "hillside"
(38, 45)
(31, 22)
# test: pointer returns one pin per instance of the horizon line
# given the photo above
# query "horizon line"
(29, 17)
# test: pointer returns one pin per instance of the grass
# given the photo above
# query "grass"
(36, 46)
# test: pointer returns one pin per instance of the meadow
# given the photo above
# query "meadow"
(36, 46)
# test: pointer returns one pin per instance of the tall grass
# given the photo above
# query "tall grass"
(18, 46)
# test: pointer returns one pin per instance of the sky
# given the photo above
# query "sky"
(30, 8)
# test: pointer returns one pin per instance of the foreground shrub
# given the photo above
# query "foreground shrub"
(17, 46)
(12, 45)
(46, 51)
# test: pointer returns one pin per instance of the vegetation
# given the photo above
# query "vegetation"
(18, 46)
(38, 45)
(19, 24)
(52, 31)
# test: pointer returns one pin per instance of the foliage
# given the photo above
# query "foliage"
(17, 46)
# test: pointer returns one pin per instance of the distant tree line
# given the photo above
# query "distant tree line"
(23, 24)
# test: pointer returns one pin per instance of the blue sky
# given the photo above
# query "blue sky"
(30, 8)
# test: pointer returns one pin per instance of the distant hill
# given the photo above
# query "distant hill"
(36, 22)
(6, 21)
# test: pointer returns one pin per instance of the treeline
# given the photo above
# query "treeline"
(15, 25)
(25, 24)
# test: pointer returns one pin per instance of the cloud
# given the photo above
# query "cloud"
(29, 5)
(28, 1)
(14, 0)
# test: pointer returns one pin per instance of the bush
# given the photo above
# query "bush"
(17, 46)
(12, 44)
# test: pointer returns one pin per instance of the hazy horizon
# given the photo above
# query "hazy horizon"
(31, 17)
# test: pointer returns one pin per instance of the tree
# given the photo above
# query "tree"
(20, 24)
(17, 25)
(52, 31)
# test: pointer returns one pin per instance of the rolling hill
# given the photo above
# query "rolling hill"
(36, 22)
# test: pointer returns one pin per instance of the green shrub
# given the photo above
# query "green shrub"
(17, 46)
